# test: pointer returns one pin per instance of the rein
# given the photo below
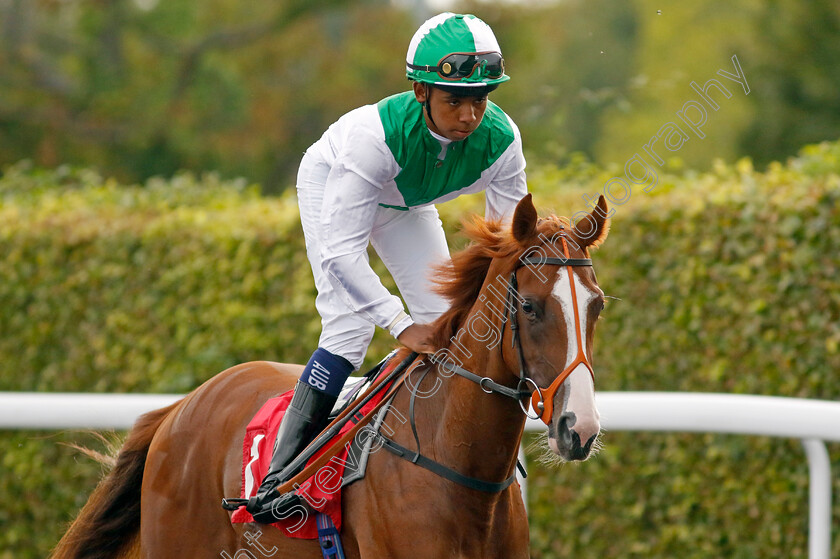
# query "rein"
(542, 399)
(436, 467)
(338, 422)
(332, 430)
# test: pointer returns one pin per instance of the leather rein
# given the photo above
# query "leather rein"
(541, 398)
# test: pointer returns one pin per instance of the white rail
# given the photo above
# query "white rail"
(811, 421)
(70, 410)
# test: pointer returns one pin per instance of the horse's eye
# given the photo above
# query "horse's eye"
(527, 307)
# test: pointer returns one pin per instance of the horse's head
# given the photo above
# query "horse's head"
(554, 304)
(531, 293)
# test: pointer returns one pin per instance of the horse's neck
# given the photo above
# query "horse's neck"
(476, 433)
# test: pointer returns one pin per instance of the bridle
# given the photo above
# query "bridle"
(542, 399)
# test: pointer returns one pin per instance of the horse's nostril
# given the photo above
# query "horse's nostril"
(567, 421)
(564, 428)
(588, 447)
(565, 433)
(570, 439)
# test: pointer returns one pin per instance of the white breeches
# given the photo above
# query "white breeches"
(410, 244)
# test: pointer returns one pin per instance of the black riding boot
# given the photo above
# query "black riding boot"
(305, 418)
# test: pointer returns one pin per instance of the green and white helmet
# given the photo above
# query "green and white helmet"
(455, 50)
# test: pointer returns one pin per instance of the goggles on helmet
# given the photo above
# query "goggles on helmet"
(457, 66)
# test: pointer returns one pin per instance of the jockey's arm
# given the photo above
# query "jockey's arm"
(349, 210)
(508, 187)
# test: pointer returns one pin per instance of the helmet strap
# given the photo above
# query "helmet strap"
(428, 104)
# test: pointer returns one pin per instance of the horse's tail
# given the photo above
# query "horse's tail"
(108, 525)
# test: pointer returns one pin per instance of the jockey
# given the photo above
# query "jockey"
(374, 177)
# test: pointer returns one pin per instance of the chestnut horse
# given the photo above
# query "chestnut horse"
(524, 305)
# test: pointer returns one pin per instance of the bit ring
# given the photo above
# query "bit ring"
(540, 404)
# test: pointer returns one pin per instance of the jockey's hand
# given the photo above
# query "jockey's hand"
(418, 337)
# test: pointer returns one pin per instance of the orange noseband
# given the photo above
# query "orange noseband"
(542, 399)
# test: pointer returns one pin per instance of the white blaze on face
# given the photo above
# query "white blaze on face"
(579, 393)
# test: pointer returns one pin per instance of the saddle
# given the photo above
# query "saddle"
(321, 492)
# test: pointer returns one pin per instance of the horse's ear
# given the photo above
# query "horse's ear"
(592, 229)
(524, 224)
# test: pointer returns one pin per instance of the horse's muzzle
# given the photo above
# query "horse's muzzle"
(572, 439)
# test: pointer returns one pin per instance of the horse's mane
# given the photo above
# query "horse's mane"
(460, 280)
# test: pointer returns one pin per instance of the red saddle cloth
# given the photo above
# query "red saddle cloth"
(322, 491)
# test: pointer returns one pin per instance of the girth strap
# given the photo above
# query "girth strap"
(328, 537)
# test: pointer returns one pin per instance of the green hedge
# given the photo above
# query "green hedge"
(148, 289)
(724, 282)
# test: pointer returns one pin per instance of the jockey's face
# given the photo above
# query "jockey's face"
(453, 116)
